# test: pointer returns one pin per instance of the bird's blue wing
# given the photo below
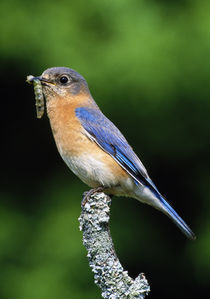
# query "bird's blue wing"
(110, 139)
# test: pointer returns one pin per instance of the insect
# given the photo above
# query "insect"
(39, 97)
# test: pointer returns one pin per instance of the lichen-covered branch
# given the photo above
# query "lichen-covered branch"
(109, 274)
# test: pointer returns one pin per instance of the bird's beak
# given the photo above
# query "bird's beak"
(37, 78)
(44, 81)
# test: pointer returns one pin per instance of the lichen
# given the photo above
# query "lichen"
(109, 274)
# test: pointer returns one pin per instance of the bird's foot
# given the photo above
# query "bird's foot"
(88, 194)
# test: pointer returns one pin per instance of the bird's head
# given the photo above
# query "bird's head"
(62, 82)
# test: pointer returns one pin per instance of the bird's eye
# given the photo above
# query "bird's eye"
(64, 79)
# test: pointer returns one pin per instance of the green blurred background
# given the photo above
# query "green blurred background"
(148, 67)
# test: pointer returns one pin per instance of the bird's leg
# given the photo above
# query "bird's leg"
(88, 194)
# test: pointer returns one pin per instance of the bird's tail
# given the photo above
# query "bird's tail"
(171, 213)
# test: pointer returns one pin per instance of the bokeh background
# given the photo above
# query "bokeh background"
(148, 67)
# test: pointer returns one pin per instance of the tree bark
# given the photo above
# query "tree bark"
(109, 274)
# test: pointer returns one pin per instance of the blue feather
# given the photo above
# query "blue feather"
(177, 219)
(114, 143)
(110, 139)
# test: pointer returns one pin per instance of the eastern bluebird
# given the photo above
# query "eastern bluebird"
(92, 146)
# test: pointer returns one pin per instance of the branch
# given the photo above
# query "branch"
(109, 274)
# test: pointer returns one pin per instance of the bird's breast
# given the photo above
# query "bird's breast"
(82, 155)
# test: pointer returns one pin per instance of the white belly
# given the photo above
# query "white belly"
(95, 173)
(91, 171)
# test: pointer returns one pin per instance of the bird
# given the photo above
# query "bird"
(93, 147)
